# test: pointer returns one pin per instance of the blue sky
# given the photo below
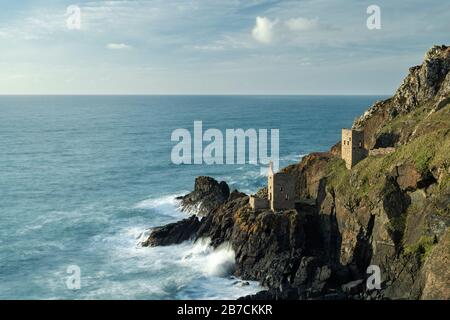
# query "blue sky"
(215, 47)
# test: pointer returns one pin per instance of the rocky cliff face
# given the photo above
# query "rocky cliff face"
(426, 84)
(391, 210)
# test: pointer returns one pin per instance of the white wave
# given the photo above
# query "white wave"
(217, 262)
(221, 261)
(193, 210)
(156, 203)
(184, 271)
(293, 157)
(167, 208)
(138, 233)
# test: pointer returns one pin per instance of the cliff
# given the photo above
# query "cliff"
(391, 210)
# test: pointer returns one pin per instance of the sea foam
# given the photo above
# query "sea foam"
(211, 261)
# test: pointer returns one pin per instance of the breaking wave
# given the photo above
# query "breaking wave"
(217, 262)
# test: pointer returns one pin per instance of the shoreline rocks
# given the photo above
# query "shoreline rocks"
(173, 233)
(207, 195)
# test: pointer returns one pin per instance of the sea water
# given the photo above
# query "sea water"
(83, 179)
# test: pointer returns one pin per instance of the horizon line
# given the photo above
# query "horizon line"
(195, 94)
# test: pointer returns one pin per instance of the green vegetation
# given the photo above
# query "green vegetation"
(337, 173)
(397, 224)
(430, 145)
(422, 247)
(406, 122)
(427, 149)
(424, 152)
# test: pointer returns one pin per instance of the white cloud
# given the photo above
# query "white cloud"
(263, 30)
(302, 24)
(117, 46)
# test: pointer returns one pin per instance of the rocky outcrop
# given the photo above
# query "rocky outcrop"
(208, 194)
(426, 84)
(409, 178)
(173, 233)
(309, 174)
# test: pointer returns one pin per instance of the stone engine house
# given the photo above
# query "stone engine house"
(280, 193)
(352, 147)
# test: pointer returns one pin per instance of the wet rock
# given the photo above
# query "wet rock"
(173, 233)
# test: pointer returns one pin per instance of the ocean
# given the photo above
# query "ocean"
(83, 179)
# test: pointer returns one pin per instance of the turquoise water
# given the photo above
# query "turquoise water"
(83, 178)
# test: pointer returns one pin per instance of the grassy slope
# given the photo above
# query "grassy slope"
(427, 148)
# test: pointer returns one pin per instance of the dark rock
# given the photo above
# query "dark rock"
(309, 173)
(410, 179)
(173, 233)
(267, 244)
(208, 194)
(235, 194)
(306, 271)
(386, 140)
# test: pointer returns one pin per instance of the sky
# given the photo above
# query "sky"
(214, 47)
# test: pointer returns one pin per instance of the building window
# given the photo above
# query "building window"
(287, 197)
(360, 144)
(281, 188)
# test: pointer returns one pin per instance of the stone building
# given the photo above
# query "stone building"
(280, 193)
(258, 203)
(281, 190)
(352, 147)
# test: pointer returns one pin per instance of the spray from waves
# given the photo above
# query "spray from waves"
(158, 203)
(189, 270)
(217, 262)
(165, 209)
(168, 205)
(138, 234)
(193, 209)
